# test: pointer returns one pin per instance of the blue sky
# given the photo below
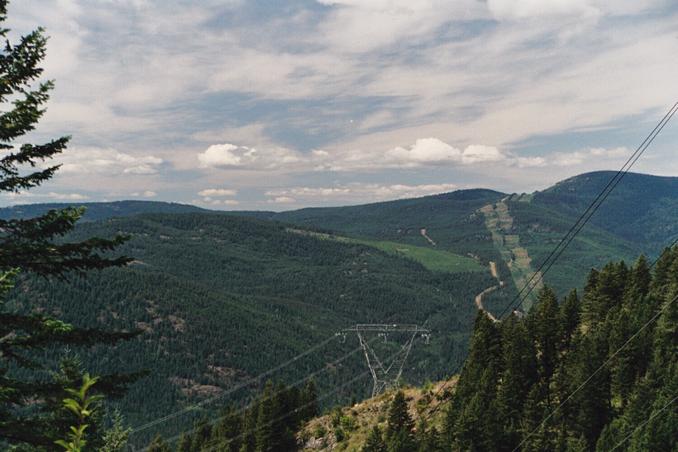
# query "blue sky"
(253, 104)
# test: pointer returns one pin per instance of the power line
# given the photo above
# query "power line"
(660, 254)
(298, 382)
(590, 210)
(233, 389)
(602, 196)
(643, 424)
(654, 317)
(447, 381)
(287, 414)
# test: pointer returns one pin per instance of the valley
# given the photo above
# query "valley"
(211, 291)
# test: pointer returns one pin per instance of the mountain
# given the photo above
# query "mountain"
(100, 210)
(222, 299)
(595, 372)
(642, 209)
(518, 232)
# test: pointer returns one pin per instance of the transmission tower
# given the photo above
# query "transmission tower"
(386, 375)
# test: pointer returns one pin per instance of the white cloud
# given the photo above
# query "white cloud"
(145, 194)
(282, 200)
(477, 153)
(217, 192)
(425, 151)
(530, 162)
(87, 160)
(354, 192)
(41, 197)
(231, 156)
(521, 9)
(350, 27)
(207, 201)
(587, 155)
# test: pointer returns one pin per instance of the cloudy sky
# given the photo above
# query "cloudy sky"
(270, 104)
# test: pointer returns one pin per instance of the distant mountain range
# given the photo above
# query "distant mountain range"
(215, 290)
(100, 210)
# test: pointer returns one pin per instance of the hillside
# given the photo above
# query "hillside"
(642, 209)
(213, 292)
(518, 231)
(347, 428)
(221, 299)
(100, 210)
(589, 372)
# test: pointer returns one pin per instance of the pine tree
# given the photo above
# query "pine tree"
(158, 445)
(570, 315)
(309, 401)
(228, 430)
(429, 440)
(518, 376)
(400, 426)
(375, 441)
(264, 436)
(202, 432)
(543, 322)
(115, 438)
(592, 401)
(469, 419)
(185, 443)
(37, 246)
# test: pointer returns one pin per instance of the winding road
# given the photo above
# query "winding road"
(479, 297)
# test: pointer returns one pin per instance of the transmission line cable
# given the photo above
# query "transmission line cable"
(324, 396)
(660, 254)
(289, 413)
(629, 340)
(325, 367)
(648, 140)
(655, 414)
(590, 210)
(233, 389)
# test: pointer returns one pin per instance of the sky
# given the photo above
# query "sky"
(277, 105)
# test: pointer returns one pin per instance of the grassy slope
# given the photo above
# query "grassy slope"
(449, 218)
(355, 422)
(431, 258)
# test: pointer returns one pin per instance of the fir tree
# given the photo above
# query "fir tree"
(400, 426)
(115, 438)
(518, 376)
(158, 445)
(37, 246)
(543, 322)
(569, 319)
(375, 441)
(309, 401)
(227, 432)
(185, 443)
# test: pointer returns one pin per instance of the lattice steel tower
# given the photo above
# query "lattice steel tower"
(386, 376)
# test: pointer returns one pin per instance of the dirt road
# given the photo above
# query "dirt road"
(422, 231)
(479, 297)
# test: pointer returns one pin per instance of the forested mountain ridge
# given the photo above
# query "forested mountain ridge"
(214, 293)
(99, 210)
(642, 208)
(595, 371)
(639, 216)
(207, 281)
